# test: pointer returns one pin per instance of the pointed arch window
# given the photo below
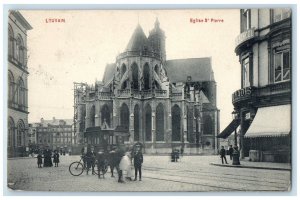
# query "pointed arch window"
(21, 134)
(160, 123)
(148, 121)
(21, 94)
(20, 51)
(135, 76)
(11, 48)
(11, 88)
(136, 123)
(11, 133)
(146, 75)
(176, 123)
(123, 70)
(92, 116)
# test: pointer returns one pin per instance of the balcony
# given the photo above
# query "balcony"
(276, 92)
(124, 93)
(177, 96)
(242, 94)
(142, 94)
(104, 95)
(18, 107)
(274, 89)
(244, 38)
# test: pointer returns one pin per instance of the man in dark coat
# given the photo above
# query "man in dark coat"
(138, 160)
(56, 158)
(47, 157)
(117, 157)
(39, 160)
(223, 155)
(230, 152)
(89, 157)
(112, 161)
(101, 164)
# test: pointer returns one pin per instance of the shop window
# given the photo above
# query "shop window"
(282, 66)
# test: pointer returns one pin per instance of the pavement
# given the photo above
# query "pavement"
(245, 163)
(159, 174)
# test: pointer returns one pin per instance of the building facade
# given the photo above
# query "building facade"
(163, 104)
(55, 133)
(17, 85)
(263, 104)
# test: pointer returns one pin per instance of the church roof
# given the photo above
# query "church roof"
(109, 72)
(138, 40)
(199, 69)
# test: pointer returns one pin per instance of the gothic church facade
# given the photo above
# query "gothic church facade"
(163, 104)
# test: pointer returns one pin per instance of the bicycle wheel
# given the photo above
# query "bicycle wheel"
(76, 168)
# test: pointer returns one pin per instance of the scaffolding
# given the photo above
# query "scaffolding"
(79, 88)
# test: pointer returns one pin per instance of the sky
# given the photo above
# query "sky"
(79, 49)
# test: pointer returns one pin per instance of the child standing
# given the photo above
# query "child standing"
(56, 158)
(39, 160)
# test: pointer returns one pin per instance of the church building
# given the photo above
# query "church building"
(162, 104)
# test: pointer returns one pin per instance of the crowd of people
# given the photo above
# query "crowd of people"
(124, 162)
(47, 157)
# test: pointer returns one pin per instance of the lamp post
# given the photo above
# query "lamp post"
(235, 154)
(235, 117)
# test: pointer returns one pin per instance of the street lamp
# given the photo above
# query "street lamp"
(235, 154)
(235, 117)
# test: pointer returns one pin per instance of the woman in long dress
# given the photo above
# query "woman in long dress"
(125, 165)
(47, 158)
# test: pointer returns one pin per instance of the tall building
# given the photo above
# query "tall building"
(17, 85)
(161, 103)
(263, 104)
(55, 133)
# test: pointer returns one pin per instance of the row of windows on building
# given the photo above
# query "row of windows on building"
(54, 129)
(280, 57)
(56, 140)
(16, 48)
(277, 15)
(280, 67)
(192, 119)
(17, 92)
(16, 133)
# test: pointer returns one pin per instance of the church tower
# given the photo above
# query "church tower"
(157, 40)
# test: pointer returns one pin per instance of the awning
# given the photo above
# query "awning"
(229, 129)
(273, 121)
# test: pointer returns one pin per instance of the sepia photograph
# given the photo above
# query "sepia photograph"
(149, 100)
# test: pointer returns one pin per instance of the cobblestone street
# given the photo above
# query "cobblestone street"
(192, 173)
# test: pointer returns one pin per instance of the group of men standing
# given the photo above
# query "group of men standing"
(118, 159)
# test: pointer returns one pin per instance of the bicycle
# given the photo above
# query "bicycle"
(77, 168)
